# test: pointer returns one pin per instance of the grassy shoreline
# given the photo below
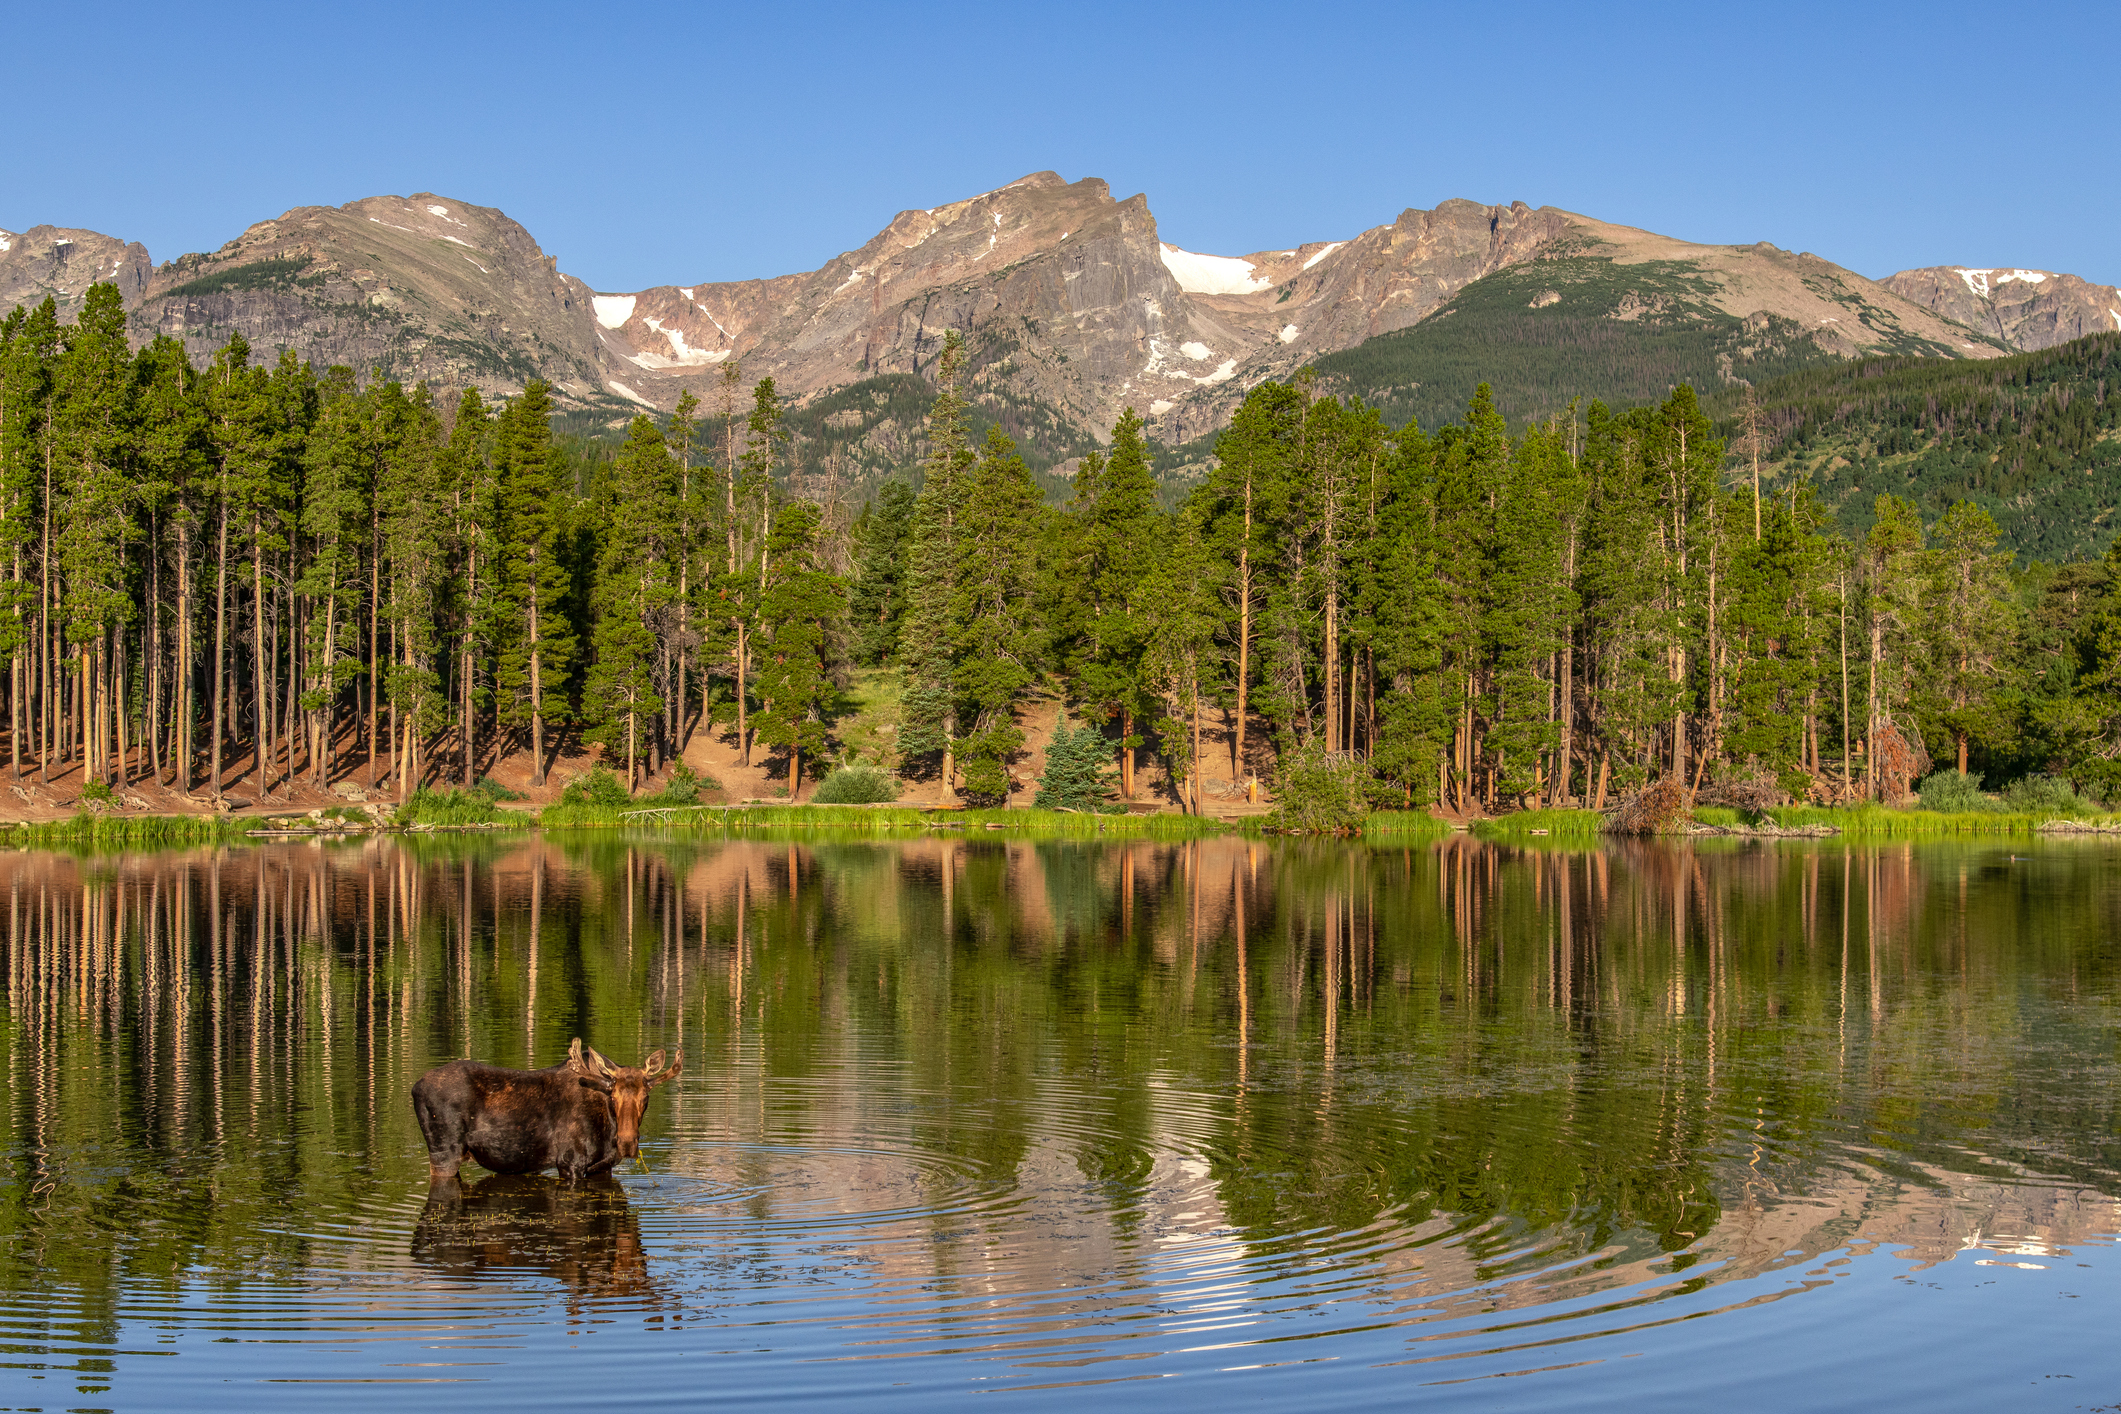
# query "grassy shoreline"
(1530, 827)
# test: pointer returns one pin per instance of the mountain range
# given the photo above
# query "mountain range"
(1073, 307)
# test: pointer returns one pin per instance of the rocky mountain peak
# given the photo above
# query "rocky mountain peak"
(2026, 309)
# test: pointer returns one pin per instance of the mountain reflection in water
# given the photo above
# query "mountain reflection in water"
(972, 1114)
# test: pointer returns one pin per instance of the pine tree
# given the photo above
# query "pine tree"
(1973, 626)
(1892, 590)
(928, 638)
(336, 513)
(1104, 616)
(998, 643)
(801, 607)
(539, 650)
(619, 693)
(1179, 659)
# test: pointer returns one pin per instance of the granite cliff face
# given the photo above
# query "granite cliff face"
(1073, 305)
(2026, 309)
(61, 263)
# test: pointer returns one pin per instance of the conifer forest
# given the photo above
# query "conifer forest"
(317, 576)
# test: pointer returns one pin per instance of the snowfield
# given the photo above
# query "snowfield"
(1211, 274)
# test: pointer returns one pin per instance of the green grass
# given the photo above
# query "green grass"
(1528, 824)
(1879, 822)
(1882, 822)
(1404, 824)
(452, 807)
(154, 830)
(885, 819)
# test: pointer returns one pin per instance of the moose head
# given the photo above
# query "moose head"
(626, 1086)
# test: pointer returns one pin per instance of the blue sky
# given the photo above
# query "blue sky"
(650, 144)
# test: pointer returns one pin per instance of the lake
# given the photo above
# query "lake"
(1655, 1126)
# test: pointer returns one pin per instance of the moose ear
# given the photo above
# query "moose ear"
(653, 1064)
(677, 1065)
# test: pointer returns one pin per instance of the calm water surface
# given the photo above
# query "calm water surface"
(1456, 1125)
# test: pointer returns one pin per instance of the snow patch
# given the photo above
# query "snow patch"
(625, 392)
(613, 310)
(1322, 254)
(476, 266)
(1160, 407)
(7, 241)
(2116, 313)
(1222, 374)
(858, 273)
(1288, 333)
(1977, 281)
(687, 293)
(466, 244)
(1211, 274)
(683, 355)
(60, 242)
(1196, 351)
(1064, 236)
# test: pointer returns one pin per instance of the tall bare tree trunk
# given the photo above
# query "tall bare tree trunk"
(220, 643)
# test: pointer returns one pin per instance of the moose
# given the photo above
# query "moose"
(581, 1116)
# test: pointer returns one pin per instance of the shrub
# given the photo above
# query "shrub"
(97, 789)
(857, 785)
(1953, 792)
(2045, 795)
(494, 790)
(683, 788)
(1077, 763)
(1321, 792)
(596, 786)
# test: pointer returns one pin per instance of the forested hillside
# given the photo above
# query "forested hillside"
(2034, 440)
(337, 578)
(1554, 331)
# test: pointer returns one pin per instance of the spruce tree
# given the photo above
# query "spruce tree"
(876, 604)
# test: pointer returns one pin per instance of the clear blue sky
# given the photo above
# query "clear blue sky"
(648, 144)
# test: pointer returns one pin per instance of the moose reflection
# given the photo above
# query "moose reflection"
(583, 1235)
(581, 1116)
